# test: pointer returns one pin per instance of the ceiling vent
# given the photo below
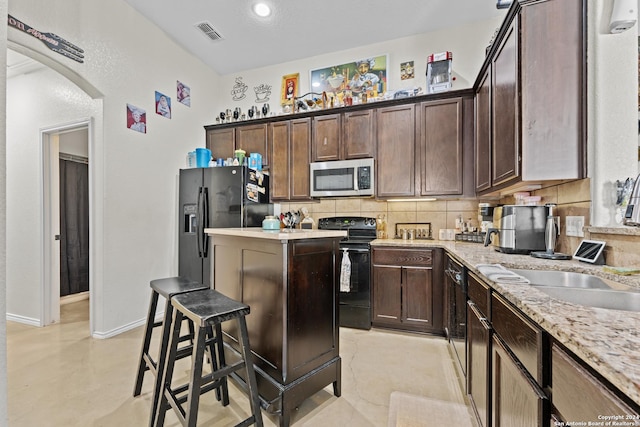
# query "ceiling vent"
(208, 30)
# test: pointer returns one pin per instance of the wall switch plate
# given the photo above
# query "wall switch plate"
(574, 225)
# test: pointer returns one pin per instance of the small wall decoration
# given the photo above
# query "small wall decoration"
(407, 71)
(52, 41)
(183, 93)
(263, 92)
(238, 90)
(289, 88)
(136, 119)
(361, 75)
(163, 105)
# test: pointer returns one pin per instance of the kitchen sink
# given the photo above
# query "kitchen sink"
(562, 279)
(602, 298)
(582, 289)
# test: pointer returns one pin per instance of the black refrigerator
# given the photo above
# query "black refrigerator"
(219, 197)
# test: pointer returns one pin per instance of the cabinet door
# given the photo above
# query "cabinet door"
(300, 155)
(505, 117)
(478, 363)
(517, 399)
(441, 147)
(387, 301)
(417, 297)
(359, 134)
(280, 171)
(395, 166)
(221, 142)
(253, 139)
(327, 138)
(483, 133)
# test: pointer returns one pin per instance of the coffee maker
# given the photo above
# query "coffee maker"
(517, 229)
(551, 234)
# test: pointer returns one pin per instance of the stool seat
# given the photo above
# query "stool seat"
(171, 286)
(207, 310)
(208, 307)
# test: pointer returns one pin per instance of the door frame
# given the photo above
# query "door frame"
(50, 284)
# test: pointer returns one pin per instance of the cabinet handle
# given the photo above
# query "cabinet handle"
(325, 141)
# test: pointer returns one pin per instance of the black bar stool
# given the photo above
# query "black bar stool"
(167, 287)
(207, 309)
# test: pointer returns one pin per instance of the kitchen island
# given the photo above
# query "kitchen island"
(289, 278)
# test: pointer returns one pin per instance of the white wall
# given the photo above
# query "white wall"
(3, 207)
(466, 43)
(75, 143)
(134, 175)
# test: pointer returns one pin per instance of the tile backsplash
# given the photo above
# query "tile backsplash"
(573, 199)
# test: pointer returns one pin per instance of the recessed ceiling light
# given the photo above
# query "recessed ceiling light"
(262, 10)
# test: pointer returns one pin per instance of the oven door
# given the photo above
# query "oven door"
(355, 305)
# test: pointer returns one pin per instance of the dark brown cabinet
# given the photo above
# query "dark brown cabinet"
(253, 139)
(596, 398)
(221, 142)
(478, 350)
(441, 147)
(395, 166)
(327, 137)
(290, 143)
(407, 289)
(505, 142)
(359, 134)
(530, 98)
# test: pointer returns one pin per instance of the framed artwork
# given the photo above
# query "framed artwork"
(360, 75)
(163, 105)
(289, 88)
(183, 93)
(136, 119)
(407, 71)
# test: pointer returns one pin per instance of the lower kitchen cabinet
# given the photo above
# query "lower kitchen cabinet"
(569, 379)
(516, 397)
(407, 289)
(478, 350)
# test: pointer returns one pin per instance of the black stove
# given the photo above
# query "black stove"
(355, 302)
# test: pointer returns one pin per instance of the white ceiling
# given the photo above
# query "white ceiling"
(301, 28)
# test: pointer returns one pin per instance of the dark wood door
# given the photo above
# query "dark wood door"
(300, 156)
(359, 134)
(386, 293)
(441, 154)
(482, 144)
(395, 145)
(417, 297)
(253, 139)
(505, 117)
(517, 399)
(478, 363)
(221, 142)
(280, 171)
(327, 138)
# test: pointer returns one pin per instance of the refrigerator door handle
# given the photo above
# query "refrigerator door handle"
(205, 224)
(200, 228)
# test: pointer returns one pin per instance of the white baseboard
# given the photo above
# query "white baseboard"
(24, 320)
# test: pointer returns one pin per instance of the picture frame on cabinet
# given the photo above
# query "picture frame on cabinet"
(359, 75)
(289, 92)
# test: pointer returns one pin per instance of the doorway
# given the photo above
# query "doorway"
(66, 164)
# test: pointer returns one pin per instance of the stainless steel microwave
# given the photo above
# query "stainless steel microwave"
(342, 178)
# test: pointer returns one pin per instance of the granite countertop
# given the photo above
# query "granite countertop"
(284, 234)
(607, 340)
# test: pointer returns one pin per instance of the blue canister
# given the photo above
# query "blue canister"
(203, 157)
(270, 223)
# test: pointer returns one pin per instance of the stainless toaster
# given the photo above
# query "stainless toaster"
(517, 229)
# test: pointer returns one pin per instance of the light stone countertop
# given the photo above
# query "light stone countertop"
(284, 234)
(607, 340)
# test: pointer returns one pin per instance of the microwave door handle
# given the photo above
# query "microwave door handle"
(356, 177)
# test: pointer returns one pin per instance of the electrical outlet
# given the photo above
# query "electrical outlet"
(574, 225)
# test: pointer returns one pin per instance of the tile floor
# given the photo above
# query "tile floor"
(59, 376)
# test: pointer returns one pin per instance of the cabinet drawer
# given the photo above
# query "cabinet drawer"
(570, 380)
(403, 257)
(478, 292)
(522, 337)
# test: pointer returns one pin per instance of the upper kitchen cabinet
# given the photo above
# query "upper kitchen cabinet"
(395, 166)
(344, 136)
(251, 138)
(441, 146)
(530, 98)
(290, 142)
